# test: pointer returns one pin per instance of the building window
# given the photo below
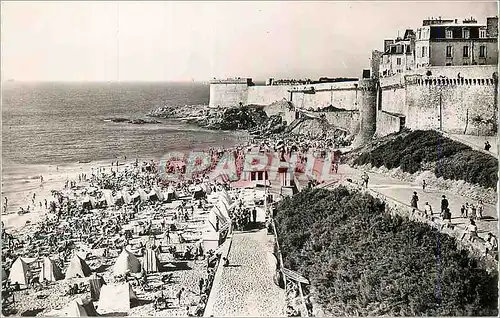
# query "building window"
(465, 33)
(482, 51)
(398, 61)
(449, 51)
(466, 51)
(482, 33)
(449, 34)
(424, 51)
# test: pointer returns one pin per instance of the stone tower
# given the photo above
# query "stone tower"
(367, 112)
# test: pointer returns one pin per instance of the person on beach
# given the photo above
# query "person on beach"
(179, 295)
(414, 200)
(444, 204)
(201, 283)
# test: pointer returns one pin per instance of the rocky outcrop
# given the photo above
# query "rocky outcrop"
(137, 121)
(177, 112)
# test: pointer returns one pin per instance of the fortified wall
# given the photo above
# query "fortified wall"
(345, 97)
(455, 99)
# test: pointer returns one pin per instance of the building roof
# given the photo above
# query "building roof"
(458, 25)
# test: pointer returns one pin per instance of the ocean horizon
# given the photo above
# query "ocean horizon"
(64, 122)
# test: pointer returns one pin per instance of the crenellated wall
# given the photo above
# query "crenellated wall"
(458, 99)
(465, 104)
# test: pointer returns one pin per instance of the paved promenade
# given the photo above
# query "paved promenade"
(246, 287)
(403, 191)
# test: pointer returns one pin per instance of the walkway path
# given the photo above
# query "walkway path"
(403, 191)
(246, 287)
(477, 142)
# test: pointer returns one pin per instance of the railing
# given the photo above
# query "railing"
(282, 267)
(476, 244)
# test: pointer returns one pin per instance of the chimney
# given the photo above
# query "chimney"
(386, 44)
(492, 27)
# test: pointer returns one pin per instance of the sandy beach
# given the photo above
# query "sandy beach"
(20, 182)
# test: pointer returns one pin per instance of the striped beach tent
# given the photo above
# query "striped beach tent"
(150, 261)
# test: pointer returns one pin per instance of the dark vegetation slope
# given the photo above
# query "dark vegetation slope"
(361, 261)
(452, 160)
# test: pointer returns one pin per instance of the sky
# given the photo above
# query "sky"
(184, 41)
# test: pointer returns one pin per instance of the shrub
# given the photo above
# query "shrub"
(362, 261)
(455, 161)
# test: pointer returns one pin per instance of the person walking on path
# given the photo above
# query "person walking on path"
(444, 204)
(414, 201)
(365, 179)
(463, 211)
(480, 209)
(424, 185)
(491, 243)
(471, 230)
(428, 209)
(254, 215)
(446, 215)
(487, 146)
(472, 213)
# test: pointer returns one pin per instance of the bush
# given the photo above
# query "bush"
(456, 161)
(362, 261)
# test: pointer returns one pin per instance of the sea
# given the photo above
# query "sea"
(46, 123)
(54, 129)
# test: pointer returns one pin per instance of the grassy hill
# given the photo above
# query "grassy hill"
(362, 261)
(428, 150)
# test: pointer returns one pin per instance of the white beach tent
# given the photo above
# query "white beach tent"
(77, 268)
(126, 196)
(143, 195)
(223, 210)
(109, 197)
(136, 196)
(50, 271)
(19, 272)
(118, 199)
(126, 262)
(158, 192)
(80, 308)
(116, 298)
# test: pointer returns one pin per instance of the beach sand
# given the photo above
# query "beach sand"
(20, 182)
